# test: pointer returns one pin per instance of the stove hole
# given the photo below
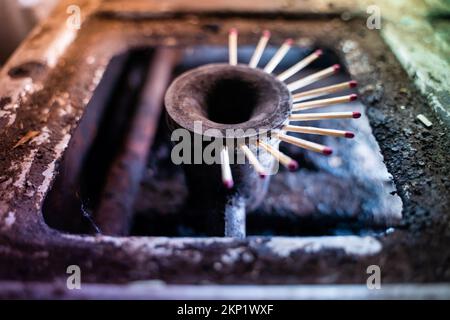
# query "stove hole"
(231, 101)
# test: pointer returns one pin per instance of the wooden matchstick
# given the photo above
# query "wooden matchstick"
(325, 115)
(314, 93)
(27, 137)
(285, 160)
(305, 144)
(259, 49)
(227, 178)
(299, 65)
(320, 131)
(254, 161)
(278, 56)
(323, 102)
(313, 78)
(232, 46)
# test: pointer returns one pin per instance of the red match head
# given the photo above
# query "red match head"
(318, 52)
(349, 134)
(289, 42)
(293, 165)
(262, 175)
(228, 184)
(266, 33)
(353, 97)
(356, 115)
(233, 31)
(336, 67)
(352, 84)
(327, 151)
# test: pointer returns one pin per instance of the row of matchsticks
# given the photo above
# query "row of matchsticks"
(301, 101)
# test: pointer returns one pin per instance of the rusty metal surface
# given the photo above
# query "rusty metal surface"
(52, 101)
(154, 8)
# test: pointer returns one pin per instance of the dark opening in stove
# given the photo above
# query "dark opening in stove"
(233, 99)
(350, 192)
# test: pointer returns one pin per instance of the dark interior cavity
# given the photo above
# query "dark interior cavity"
(231, 101)
(226, 97)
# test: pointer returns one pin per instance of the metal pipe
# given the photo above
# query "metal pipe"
(241, 104)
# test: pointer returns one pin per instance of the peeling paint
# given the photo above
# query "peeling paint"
(282, 246)
(357, 63)
(50, 171)
(10, 116)
(232, 255)
(425, 64)
(10, 219)
(352, 245)
(24, 90)
(43, 137)
(25, 166)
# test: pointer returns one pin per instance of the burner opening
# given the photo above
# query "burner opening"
(224, 97)
(232, 100)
